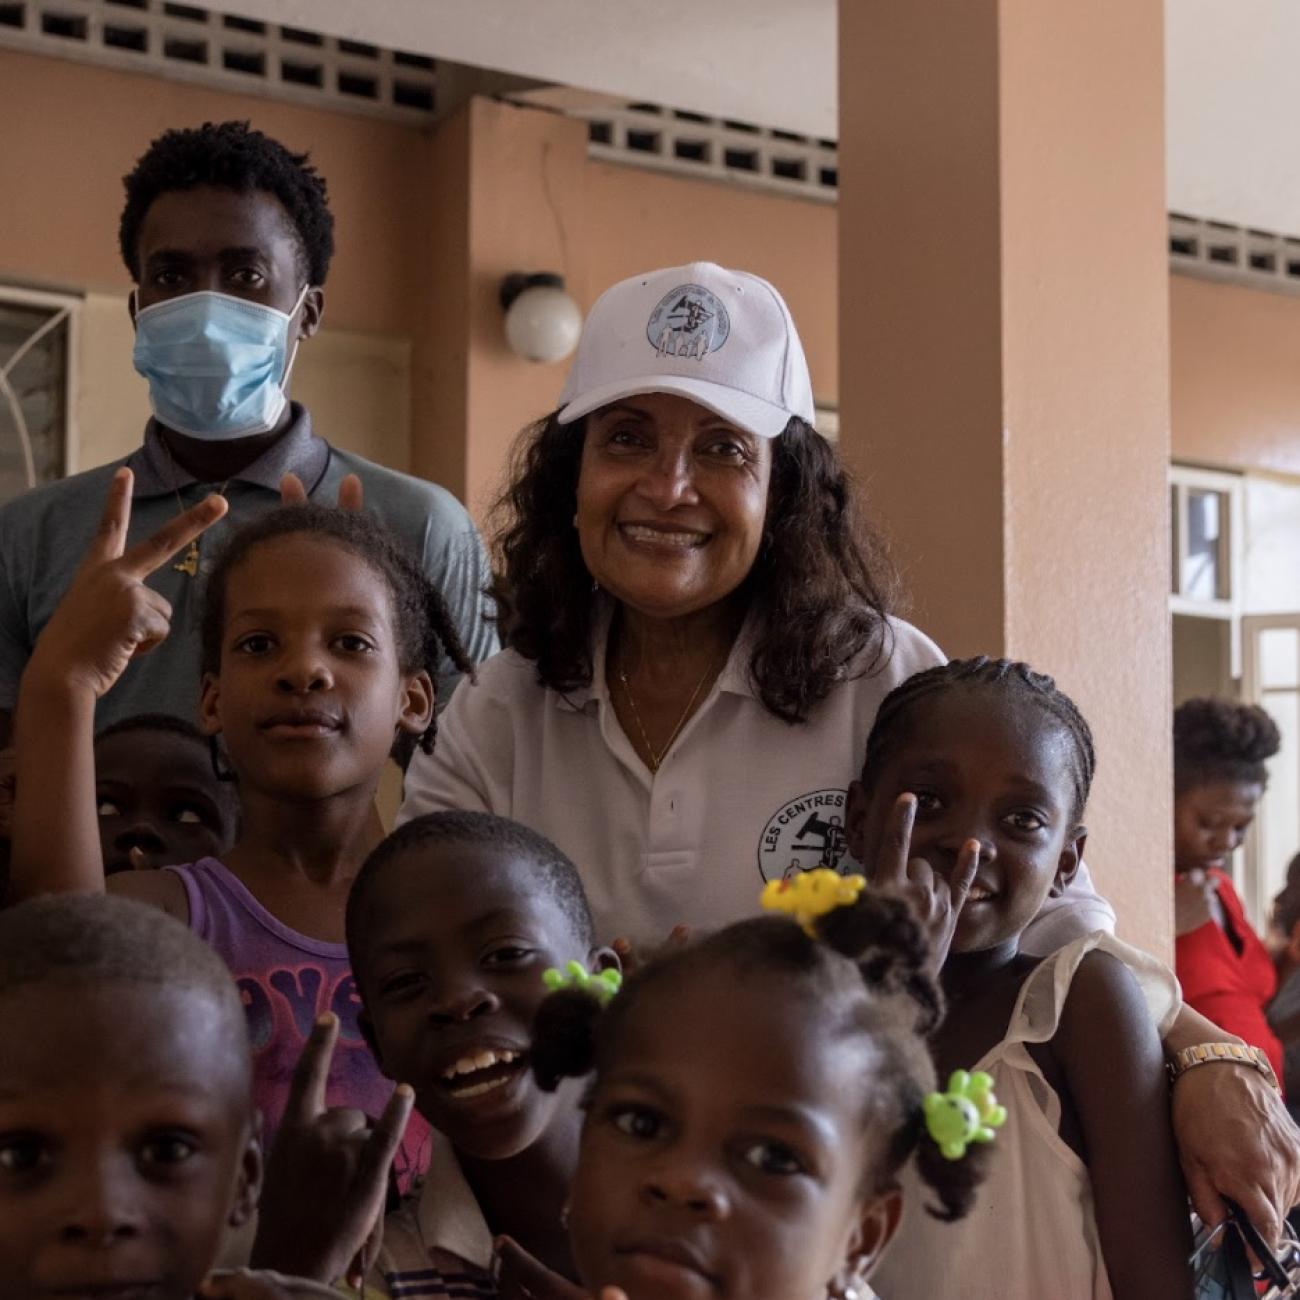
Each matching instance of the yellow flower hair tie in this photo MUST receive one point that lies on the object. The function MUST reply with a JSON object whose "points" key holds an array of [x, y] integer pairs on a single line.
{"points": [[811, 894]]}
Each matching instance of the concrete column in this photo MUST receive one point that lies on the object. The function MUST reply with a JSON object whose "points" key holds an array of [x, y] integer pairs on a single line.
{"points": [[1004, 362]]}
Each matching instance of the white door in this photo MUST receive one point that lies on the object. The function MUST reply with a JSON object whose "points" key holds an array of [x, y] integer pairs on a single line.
{"points": [[1271, 678]]}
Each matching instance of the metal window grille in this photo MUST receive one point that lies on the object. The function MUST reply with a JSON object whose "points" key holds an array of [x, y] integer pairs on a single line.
{"points": [[189, 43], [37, 344]]}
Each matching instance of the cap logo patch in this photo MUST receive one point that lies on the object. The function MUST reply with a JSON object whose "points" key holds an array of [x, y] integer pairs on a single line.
{"points": [[688, 322]]}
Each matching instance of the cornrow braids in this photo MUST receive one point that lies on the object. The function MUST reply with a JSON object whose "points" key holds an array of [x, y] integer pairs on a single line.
{"points": [[1005, 675], [868, 967], [424, 627]]}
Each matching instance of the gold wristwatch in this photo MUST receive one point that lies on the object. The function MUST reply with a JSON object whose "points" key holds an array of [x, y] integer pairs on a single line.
{"points": [[1233, 1053]]}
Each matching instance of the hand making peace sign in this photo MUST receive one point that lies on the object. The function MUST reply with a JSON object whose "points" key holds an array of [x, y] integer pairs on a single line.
{"points": [[109, 616], [936, 899], [322, 1203]]}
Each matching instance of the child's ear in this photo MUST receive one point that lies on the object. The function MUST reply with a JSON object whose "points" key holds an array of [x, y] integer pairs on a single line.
{"points": [[248, 1184], [855, 821], [1070, 861], [874, 1230], [419, 698], [210, 706]]}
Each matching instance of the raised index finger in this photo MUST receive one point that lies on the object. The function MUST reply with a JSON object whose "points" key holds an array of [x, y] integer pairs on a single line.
{"points": [[307, 1088], [152, 553]]}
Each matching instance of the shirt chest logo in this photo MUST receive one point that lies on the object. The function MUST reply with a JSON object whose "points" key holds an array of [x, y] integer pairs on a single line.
{"points": [[804, 834]]}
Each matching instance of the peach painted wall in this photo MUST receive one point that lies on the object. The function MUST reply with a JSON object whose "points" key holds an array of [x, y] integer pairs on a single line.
{"points": [[1236, 375], [538, 203], [1005, 363]]}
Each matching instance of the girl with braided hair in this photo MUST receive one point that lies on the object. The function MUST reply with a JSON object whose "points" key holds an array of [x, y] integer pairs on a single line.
{"points": [[1220, 748], [321, 638], [755, 1097], [994, 765]]}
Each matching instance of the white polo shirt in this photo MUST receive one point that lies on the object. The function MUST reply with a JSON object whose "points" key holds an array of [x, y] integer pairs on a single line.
{"points": [[740, 798]]}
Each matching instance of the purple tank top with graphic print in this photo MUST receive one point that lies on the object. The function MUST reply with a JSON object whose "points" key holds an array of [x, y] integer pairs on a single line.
{"points": [[287, 980]]}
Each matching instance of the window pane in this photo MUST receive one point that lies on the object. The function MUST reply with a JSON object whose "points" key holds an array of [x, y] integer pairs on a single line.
{"points": [[1202, 579], [1279, 659], [33, 395]]}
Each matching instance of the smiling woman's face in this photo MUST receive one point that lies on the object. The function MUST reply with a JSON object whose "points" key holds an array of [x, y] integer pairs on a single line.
{"points": [[671, 503]]}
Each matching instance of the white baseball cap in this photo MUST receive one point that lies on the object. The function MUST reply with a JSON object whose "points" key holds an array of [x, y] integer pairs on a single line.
{"points": [[722, 338]]}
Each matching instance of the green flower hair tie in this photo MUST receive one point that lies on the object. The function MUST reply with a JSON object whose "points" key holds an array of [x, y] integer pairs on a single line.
{"points": [[968, 1112], [602, 986]]}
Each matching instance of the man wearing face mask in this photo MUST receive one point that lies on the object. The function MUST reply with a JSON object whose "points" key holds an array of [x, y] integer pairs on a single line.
{"points": [[228, 238]]}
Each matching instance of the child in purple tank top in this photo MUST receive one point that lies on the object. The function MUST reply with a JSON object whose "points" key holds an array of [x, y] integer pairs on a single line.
{"points": [[320, 640]]}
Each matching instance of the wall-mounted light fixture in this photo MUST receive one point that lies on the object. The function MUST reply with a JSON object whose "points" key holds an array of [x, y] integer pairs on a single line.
{"points": [[542, 322]]}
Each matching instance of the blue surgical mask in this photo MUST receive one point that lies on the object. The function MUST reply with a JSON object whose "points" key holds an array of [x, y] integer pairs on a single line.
{"points": [[216, 364]]}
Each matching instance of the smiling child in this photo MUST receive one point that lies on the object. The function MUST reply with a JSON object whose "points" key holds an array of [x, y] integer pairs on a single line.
{"points": [[127, 1137], [1084, 1199]]}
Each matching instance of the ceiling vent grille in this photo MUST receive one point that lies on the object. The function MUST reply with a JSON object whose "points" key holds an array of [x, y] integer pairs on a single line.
{"points": [[188, 43], [1219, 251], [691, 144]]}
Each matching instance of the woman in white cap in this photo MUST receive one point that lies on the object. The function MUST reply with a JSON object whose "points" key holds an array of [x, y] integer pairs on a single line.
{"points": [[697, 615], [699, 638]]}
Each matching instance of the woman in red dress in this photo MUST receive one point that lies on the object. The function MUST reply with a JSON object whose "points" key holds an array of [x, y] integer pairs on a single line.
{"points": [[1226, 972]]}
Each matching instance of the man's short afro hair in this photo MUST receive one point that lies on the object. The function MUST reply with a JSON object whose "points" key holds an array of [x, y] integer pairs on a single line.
{"points": [[232, 156]]}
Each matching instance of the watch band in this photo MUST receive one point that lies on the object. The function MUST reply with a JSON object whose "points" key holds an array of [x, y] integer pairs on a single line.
{"points": [[1233, 1053]]}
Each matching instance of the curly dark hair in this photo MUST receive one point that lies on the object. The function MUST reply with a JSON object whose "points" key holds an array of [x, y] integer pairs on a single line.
{"points": [[868, 970], [425, 630], [231, 156], [1018, 681], [1221, 740], [556, 875], [821, 583]]}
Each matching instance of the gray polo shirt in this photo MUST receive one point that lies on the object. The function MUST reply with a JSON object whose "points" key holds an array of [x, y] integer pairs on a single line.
{"points": [[44, 533]]}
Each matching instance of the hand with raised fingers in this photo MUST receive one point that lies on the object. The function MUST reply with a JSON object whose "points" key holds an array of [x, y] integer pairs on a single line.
{"points": [[322, 1205], [351, 495], [108, 615], [628, 956], [521, 1276], [937, 899]]}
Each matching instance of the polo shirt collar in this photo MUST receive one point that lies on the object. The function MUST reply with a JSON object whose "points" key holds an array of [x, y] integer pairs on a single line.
{"points": [[297, 451], [734, 678], [448, 1215]]}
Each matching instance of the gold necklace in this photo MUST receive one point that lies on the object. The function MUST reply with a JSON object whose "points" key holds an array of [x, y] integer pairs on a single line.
{"points": [[657, 758], [189, 566]]}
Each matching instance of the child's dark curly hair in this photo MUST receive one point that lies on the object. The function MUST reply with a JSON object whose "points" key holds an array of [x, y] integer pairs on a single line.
{"points": [[424, 628], [869, 971], [1221, 740], [1017, 680], [230, 156]]}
